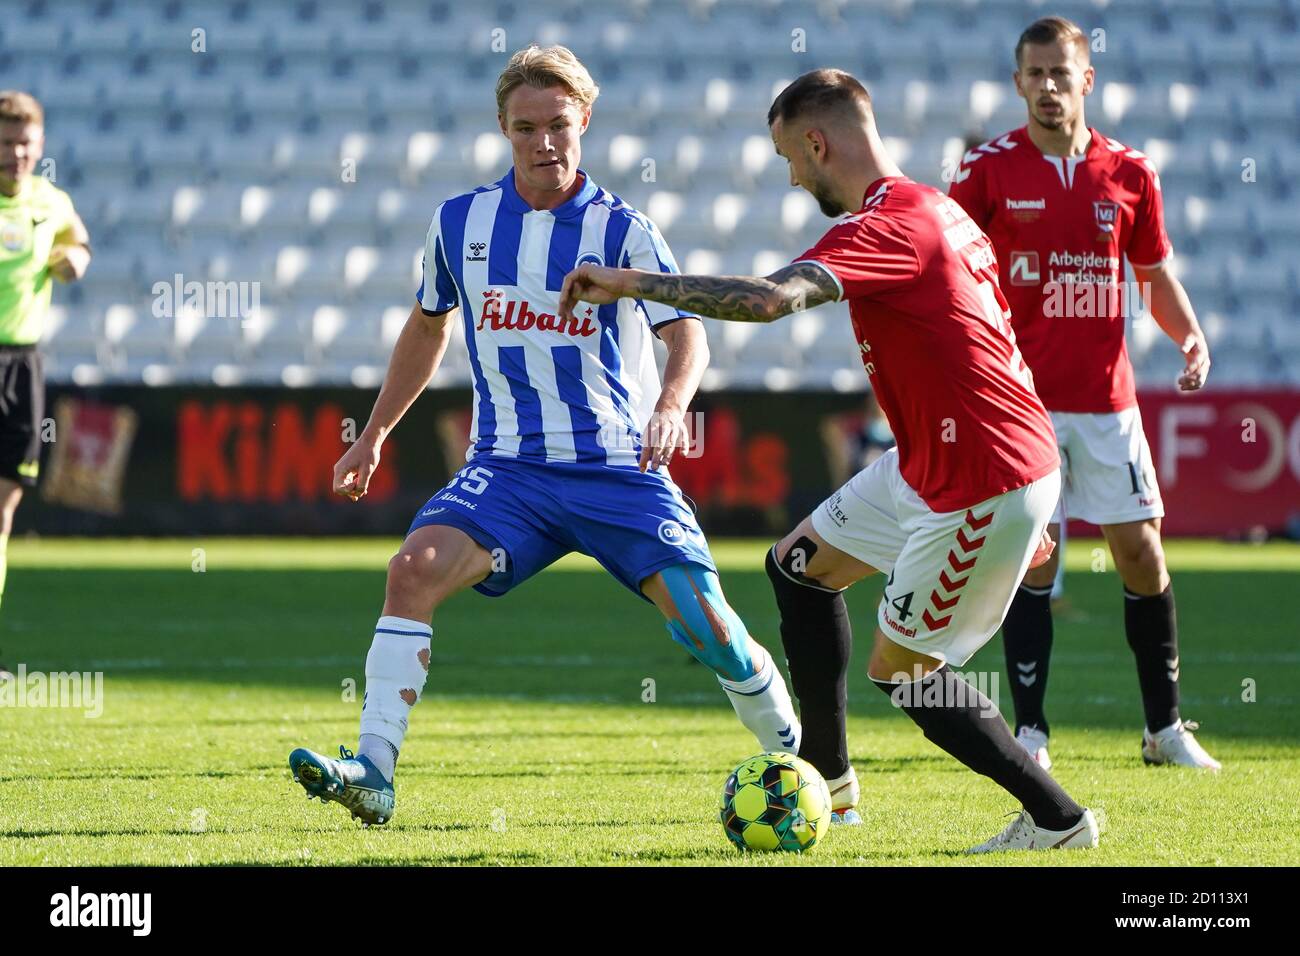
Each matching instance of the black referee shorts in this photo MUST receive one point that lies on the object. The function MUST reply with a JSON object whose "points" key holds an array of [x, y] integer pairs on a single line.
{"points": [[22, 407]]}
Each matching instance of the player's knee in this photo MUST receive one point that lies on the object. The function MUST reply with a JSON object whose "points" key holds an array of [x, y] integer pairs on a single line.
{"points": [[1140, 559], [788, 562], [1143, 566], [794, 552], [414, 573], [705, 624]]}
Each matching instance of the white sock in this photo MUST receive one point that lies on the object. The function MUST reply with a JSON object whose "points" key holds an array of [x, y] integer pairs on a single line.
{"points": [[396, 668], [763, 704], [845, 791]]}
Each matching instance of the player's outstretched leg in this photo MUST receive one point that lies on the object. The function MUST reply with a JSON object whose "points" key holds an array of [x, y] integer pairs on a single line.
{"points": [[1151, 625], [818, 642], [700, 619], [959, 719], [434, 562]]}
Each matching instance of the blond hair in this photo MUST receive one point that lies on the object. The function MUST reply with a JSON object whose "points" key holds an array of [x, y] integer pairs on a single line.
{"points": [[542, 67], [19, 107]]}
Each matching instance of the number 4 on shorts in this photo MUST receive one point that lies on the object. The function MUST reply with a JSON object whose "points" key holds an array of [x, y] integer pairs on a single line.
{"points": [[902, 604]]}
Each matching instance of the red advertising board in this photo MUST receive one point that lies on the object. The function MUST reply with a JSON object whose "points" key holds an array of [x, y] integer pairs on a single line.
{"points": [[1227, 460], [136, 460]]}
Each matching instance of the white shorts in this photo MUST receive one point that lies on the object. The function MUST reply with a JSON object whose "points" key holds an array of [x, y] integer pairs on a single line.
{"points": [[952, 574], [1106, 471]]}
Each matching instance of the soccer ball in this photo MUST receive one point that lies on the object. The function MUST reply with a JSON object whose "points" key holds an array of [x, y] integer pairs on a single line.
{"points": [[775, 801]]}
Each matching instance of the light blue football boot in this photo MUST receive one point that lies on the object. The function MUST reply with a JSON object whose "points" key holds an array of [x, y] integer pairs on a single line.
{"points": [[352, 781]]}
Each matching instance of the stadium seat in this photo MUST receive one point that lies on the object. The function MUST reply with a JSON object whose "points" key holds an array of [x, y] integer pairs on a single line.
{"points": [[1217, 226], [1227, 59], [210, 211], [1281, 55], [142, 340], [275, 336], [235, 168], [1162, 58], [216, 340], [73, 334], [1279, 226], [1210, 111], [1259, 285]]}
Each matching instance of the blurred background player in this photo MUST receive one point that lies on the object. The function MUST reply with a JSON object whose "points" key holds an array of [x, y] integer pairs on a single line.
{"points": [[41, 238], [854, 440], [956, 513], [571, 434], [1065, 206]]}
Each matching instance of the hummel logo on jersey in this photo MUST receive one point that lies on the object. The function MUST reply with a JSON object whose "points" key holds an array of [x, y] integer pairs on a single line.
{"points": [[1024, 268], [476, 249], [1026, 203], [518, 316]]}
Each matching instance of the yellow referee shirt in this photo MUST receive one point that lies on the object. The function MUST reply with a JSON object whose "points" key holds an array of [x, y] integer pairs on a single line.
{"points": [[29, 222]]}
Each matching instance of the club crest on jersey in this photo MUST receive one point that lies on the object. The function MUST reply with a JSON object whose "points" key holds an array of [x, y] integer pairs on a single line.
{"points": [[476, 250], [515, 314], [592, 257], [12, 236], [670, 532], [1107, 214]]}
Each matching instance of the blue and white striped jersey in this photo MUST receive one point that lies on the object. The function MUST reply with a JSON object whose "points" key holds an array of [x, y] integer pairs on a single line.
{"points": [[547, 389]]}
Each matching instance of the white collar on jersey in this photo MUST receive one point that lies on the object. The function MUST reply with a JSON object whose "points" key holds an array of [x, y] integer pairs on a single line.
{"points": [[1066, 165], [567, 210]]}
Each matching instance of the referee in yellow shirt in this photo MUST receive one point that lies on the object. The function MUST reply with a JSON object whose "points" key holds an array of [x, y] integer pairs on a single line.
{"points": [[41, 237]]}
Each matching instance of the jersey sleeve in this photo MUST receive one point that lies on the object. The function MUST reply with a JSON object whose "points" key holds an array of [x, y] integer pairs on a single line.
{"points": [[865, 256], [66, 212], [437, 292], [646, 249], [969, 189], [1149, 244]]}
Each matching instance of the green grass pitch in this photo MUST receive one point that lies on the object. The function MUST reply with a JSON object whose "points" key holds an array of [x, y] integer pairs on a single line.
{"points": [[535, 743]]}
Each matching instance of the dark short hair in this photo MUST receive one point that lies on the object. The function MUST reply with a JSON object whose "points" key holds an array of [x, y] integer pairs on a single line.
{"points": [[1053, 30], [817, 92]]}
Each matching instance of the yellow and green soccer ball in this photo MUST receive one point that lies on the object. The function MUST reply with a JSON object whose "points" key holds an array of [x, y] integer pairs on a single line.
{"points": [[775, 801]]}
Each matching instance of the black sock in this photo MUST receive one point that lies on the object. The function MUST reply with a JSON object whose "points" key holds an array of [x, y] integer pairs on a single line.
{"points": [[959, 719], [1027, 640], [817, 640], [1151, 625]]}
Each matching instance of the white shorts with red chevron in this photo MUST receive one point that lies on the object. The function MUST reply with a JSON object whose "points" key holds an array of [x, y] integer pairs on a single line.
{"points": [[951, 574]]}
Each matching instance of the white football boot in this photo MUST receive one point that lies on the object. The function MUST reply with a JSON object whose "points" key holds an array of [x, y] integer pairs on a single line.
{"points": [[1024, 834], [1176, 745], [1035, 743], [845, 794]]}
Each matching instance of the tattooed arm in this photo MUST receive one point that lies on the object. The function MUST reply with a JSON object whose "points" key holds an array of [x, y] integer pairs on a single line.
{"points": [[795, 288]]}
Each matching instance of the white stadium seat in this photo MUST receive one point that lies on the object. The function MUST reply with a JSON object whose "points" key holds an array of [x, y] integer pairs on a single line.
{"points": [[233, 167]]}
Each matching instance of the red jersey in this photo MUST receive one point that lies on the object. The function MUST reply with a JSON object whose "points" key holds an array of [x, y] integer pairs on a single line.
{"points": [[1057, 223], [933, 330]]}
